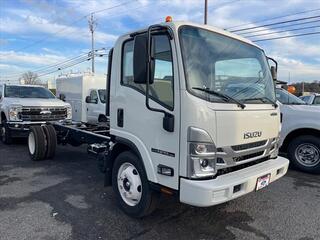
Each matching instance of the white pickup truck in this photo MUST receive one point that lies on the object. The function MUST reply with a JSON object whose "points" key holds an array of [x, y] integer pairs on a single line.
{"points": [[300, 133], [22, 106]]}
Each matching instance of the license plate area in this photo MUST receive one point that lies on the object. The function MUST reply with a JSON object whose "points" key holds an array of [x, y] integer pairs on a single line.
{"points": [[263, 181]]}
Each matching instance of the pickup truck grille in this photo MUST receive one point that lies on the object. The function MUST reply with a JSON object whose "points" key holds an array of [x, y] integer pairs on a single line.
{"points": [[43, 113]]}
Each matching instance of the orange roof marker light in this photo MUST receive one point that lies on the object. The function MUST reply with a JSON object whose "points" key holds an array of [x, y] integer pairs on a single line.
{"points": [[291, 89], [168, 19]]}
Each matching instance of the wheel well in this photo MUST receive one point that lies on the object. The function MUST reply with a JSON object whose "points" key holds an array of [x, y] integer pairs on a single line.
{"points": [[116, 150], [299, 132]]}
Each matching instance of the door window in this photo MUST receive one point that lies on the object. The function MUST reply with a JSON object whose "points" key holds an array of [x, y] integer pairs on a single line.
{"points": [[94, 96], [316, 100], [161, 90]]}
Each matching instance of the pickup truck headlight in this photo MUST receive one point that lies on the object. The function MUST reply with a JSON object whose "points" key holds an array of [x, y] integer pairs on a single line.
{"points": [[69, 113], [14, 113], [202, 154]]}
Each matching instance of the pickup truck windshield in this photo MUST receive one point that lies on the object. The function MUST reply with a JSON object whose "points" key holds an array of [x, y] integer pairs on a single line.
{"points": [[102, 95], [27, 92], [222, 64], [287, 98]]}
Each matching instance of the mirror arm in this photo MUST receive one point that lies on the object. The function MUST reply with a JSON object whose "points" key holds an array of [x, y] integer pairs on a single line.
{"points": [[167, 116], [275, 62]]}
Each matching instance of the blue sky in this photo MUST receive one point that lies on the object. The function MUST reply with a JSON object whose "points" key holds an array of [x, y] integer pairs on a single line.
{"points": [[38, 33]]}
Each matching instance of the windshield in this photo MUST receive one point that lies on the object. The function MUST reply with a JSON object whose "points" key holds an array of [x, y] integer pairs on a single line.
{"points": [[287, 98], [27, 92], [102, 95], [226, 65]]}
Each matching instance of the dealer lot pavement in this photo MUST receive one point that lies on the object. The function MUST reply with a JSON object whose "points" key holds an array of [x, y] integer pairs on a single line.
{"points": [[64, 198]]}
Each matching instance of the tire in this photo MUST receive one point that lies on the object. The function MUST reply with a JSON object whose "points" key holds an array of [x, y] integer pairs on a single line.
{"points": [[103, 119], [37, 143], [5, 133], [304, 153], [128, 168], [51, 137]]}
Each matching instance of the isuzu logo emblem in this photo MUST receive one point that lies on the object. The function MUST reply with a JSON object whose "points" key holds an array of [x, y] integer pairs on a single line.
{"points": [[45, 112], [252, 134]]}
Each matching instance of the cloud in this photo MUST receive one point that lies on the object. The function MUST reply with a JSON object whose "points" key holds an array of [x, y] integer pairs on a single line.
{"points": [[32, 24]]}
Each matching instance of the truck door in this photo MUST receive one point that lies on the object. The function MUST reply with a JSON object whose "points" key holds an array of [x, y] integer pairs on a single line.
{"points": [[92, 107], [131, 119]]}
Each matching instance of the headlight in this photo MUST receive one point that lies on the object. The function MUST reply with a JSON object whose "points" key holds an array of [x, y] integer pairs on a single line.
{"points": [[14, 113], [69, 113], [202, 154]]}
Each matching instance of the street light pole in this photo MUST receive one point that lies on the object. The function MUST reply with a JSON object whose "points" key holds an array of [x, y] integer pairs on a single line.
{"points": [[205, 11]]}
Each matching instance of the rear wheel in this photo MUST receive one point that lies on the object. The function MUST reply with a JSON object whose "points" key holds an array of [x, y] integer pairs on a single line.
{"points": [[304, 153], [130, 183], [51, 137], [37, 143], [5, 133]]}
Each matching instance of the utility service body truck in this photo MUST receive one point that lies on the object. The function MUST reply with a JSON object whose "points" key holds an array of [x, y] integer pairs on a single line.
{"points": [[178, 122], [86, 93]]}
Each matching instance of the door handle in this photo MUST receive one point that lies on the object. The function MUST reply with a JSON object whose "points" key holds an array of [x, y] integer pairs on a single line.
{"points": [[120, 117]]}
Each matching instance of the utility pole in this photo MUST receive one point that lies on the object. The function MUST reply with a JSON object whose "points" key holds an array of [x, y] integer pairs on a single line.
{"points": [[92, 27], [205, 11]]}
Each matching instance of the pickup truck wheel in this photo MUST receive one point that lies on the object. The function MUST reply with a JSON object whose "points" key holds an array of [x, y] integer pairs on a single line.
{"points": [[304, 153], [5, 133], [51, 137], [130, 183], [37, 143]]}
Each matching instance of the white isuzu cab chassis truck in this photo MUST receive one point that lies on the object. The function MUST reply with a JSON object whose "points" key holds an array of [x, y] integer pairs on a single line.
{"points": [[192, 114]]}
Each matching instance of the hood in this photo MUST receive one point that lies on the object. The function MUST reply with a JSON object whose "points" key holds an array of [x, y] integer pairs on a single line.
{"points": [[302, 109], [37, 102]]}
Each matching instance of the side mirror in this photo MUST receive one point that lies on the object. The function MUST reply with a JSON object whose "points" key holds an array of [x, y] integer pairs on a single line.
{"points": [[141, 58], [273, 73], [62, 97], [168, 122], [88, 99]]}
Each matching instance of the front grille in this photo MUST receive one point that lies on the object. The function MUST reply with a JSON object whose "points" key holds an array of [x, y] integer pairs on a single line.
{"points": [[43, 114], [242, 166], [249, 156], [248, 145]]}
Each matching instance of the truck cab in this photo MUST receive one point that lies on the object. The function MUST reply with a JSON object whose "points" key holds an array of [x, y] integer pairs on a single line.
{"points": [[174, 100]]}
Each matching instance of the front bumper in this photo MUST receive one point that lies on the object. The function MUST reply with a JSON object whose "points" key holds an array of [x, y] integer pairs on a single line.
{"points": [[21, 129], [204, 193]]}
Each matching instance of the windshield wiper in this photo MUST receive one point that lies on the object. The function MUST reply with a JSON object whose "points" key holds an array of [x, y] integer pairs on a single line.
{"points": [[221, 95], [264, 99]]}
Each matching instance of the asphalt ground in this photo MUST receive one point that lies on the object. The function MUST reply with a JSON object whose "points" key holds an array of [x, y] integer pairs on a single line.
{"points": [[64, 198]]}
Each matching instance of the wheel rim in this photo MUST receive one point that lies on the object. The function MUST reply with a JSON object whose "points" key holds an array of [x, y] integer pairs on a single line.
{"points": [[31, 143], [129, 184], [308, 154]]}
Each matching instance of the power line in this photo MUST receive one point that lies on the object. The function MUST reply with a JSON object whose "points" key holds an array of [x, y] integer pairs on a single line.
{"points": [[287, 30], [277, 27], [269, 19], [291, 36], [277, 23]]}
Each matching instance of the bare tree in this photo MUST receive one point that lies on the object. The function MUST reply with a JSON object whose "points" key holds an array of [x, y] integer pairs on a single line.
{"points": [[30, 78]]}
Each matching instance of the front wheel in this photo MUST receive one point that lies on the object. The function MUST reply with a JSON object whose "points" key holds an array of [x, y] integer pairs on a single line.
{"points": [[5, 133], [130, 183], [304, 153]]}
